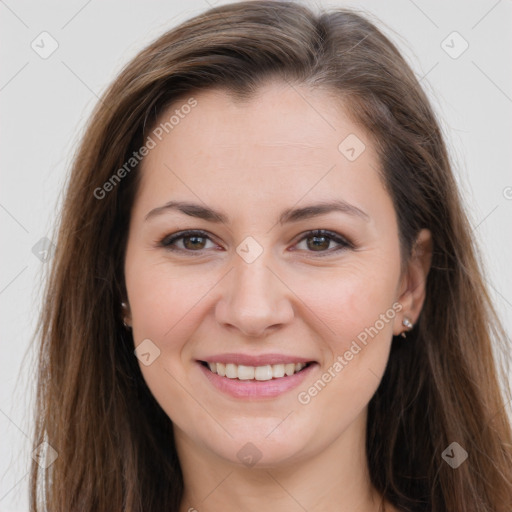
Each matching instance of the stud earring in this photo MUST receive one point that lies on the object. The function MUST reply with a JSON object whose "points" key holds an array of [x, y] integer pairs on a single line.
{"points": [[406, 323], [125, 307]]}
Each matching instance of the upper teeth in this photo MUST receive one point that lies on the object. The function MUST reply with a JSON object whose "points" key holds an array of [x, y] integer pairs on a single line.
{"points": [[267, 372]]}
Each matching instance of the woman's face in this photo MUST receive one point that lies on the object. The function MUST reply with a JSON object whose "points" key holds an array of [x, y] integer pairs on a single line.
{"points": [[252, 288]]}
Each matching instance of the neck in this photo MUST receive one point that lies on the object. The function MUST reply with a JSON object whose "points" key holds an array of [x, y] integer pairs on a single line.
{"points": [[335, 479]]}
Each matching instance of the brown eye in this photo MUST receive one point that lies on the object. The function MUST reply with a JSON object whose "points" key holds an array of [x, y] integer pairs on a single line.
{"points": [[192, 241], [320, 241]]}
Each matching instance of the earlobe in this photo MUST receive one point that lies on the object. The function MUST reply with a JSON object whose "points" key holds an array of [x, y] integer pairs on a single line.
{"points": [[126, 315], [413, 286]]}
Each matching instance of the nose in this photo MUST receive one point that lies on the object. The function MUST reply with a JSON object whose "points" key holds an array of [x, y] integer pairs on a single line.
{"points": [[254, 299]]}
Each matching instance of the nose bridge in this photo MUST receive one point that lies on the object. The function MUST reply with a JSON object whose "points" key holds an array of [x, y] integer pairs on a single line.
{"points": [[252, 283], [254, 299]]}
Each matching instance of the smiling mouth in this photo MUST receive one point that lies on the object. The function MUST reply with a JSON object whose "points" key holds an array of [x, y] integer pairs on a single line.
{"points": [[258, 373]]}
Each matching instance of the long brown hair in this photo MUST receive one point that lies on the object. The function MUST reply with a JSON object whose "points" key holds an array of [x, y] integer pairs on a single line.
{"points": [[114, 442]]}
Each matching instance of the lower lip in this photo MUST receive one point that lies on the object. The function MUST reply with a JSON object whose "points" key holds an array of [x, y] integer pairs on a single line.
{"points": [[255, 388]]}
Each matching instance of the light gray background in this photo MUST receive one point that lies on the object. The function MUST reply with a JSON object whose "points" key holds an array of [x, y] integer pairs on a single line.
{"points": [[45, 103]]}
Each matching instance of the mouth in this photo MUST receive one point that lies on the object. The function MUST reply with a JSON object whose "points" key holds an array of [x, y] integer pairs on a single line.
{"points": [[255, 382], [257, 373]]}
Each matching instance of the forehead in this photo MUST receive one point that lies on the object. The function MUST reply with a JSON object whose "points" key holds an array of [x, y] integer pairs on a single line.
{"points": [[284, 141], [277, 115]]}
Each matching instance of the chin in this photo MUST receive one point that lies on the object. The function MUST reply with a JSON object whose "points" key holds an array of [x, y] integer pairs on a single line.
{"points": [[263, 448]]}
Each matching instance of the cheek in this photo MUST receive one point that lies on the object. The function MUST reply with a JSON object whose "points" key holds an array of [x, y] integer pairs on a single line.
{"points": [[164, 298], [166, 304], [358, 304], [350, 300]]}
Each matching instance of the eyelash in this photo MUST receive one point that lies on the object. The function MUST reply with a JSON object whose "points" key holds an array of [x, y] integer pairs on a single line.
{"points": [[168, 240]]}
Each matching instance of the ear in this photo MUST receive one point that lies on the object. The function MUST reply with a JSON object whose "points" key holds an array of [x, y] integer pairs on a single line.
{"points": [[412, 286], [126, 312]]}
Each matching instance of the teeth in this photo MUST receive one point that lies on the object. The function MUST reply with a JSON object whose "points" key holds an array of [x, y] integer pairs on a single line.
{"points": [[263, 372], [267, 372], [231, 371], [277, 370], [246, 372], [289, 369], [221, 369]]}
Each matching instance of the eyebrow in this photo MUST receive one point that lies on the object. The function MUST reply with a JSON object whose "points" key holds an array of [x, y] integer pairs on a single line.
{"points": [[287, 216]]}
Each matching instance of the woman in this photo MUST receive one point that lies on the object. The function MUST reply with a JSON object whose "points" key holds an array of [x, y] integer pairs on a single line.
{"points": [[265, 294]]}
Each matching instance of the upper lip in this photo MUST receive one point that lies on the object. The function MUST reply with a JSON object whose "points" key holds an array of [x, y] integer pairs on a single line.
{"points": [[255, 360]]}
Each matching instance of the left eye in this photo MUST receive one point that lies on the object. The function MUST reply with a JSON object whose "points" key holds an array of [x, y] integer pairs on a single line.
{"points": [[321, 239], [316, 241]]}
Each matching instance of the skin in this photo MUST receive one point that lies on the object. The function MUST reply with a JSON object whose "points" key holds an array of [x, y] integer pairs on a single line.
{"points": [[251, 161]]}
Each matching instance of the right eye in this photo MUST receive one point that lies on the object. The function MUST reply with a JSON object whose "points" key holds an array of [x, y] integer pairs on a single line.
{"points": [[192, 241]]}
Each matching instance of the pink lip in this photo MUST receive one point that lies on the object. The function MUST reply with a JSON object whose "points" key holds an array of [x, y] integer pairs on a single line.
{"points": [[260, 360], [253, 388]]}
